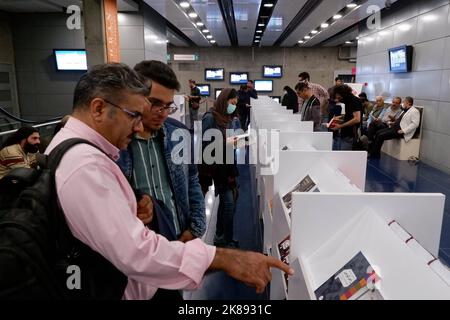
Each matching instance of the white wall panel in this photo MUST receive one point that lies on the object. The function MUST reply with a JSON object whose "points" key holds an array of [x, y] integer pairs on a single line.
{"points": [[402, 84], [429, 55], [405, 33], [427, 148], [425, 85], [446, 63], [433, 25], [443, 125], [445, 86], [431, 110]]}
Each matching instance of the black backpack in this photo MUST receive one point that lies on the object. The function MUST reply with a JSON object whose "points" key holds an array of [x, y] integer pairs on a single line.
{"points": [[36, 246]]}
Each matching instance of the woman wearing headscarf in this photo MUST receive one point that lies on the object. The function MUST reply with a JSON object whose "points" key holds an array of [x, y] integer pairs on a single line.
{"points": [[221, 167], [290, 99]]}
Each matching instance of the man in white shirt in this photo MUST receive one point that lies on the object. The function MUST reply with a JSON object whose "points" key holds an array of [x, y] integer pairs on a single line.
{"points": [[403, 127]]}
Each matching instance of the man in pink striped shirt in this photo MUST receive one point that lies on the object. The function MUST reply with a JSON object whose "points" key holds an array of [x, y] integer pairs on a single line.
{"points": [[100, 207]]}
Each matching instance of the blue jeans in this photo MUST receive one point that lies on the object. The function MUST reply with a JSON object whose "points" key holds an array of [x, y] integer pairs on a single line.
{"points": [[225, 216], [343, 143]]}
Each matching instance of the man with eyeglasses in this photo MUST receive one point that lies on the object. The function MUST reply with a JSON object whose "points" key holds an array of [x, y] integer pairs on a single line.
{"points": [[148, 161], [121, 258]]}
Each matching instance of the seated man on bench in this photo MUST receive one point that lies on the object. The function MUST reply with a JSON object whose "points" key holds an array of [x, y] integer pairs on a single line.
{"points": [[404, 127]]}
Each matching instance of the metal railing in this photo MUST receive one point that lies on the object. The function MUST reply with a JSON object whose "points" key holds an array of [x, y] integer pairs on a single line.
{"points": [[46, 127]]}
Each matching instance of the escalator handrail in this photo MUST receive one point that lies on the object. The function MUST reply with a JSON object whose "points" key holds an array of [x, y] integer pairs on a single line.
{"points": [[4, 133], [6, 113]]}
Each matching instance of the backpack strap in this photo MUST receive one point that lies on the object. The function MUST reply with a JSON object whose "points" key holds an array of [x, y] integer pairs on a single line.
{"points": [[54, 158]]}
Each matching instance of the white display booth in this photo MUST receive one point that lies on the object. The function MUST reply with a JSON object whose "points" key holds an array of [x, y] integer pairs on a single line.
{"points": [[329, 229], [180, 114], [288, 125], [332, 171], [276, 117]]}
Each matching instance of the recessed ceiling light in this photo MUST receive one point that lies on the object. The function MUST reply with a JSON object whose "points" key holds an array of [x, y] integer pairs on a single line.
{"points": [[256, 40], [200, 24], [260, 24], [257, 36], [348, 42], [167, 41], [352, 5], [184, 4], [357, 38], [209, 37], [258, 31], [213, 41], [324, 25], [193, 15], [307, 37], [338, 16], [314, 31], [301, 41], [268, 5], [205, 30]]}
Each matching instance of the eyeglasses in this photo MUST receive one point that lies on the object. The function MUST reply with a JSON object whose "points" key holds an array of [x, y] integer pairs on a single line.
{"points": [[135, 115], [160, 107]]}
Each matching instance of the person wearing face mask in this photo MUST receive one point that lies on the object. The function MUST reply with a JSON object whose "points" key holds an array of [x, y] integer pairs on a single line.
{"points": [[222, 170], [19, 150]]}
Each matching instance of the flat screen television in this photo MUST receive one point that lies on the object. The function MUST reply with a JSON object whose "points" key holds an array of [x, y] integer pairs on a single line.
{"points": [[276, 98], [70, 60], [214, 74], [272, 71], [217, 92], [205, 89], [400, 59], [238, 77], [264, 85]]}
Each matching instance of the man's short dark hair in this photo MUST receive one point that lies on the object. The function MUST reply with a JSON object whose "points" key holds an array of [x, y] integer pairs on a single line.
{"points": [[343, 90], [410, 100], [397, 98], [107, 81], [338, 79], [301, 86], [304, 76], [251, 81], [192, 81], [159, 72]]}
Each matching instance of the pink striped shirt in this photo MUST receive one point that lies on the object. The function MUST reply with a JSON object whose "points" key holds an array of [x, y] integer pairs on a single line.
{"points": [[100, 209]]}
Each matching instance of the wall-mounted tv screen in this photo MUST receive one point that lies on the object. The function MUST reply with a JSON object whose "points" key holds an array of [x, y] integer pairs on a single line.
{"points": [[238, 77], [276, 98], [214, 74], [264, 85], [400, 59], [272, 71], [217, 92], [205, 89], [70, 60]]}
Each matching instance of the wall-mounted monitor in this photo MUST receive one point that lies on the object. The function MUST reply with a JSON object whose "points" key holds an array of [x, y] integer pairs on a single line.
{"points": [[264, 85], [272, 71], [217, 92], [276, 98], [214, 74], [238, 77], [70, 60], [205, 89], [400, 59]]}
